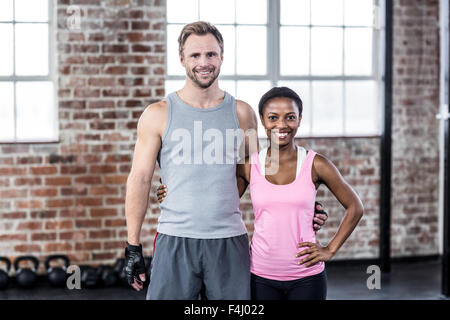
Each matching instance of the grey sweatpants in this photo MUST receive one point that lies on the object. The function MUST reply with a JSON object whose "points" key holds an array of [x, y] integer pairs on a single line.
{"points": [[181, 265]]}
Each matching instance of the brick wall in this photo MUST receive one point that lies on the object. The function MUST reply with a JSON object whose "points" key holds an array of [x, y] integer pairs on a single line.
{"points": [[69, 196], [415, 149]]}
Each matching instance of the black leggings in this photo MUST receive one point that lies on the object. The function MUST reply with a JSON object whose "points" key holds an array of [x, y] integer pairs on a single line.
{"points": [[308, 288]]}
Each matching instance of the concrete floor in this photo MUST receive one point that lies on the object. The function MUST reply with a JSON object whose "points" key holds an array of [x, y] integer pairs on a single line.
{"points": [[407, 281]]}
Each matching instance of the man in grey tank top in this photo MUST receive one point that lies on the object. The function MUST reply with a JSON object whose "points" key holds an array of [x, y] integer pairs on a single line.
{"points": [[195, 134]]}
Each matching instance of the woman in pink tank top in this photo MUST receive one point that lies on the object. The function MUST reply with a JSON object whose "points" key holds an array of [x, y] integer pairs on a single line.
{"points": [[286, 260]]}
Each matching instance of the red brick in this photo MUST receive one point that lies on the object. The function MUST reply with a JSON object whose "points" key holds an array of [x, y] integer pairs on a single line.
{"points": [[101, 234], [115, 223], [13, 171], [88, 202], [13, 237], [88, 180], [43, 236], [58, 181], [102, 169], [59, 203], [58, 225], [72, 235], [45, 214], [44, 192], [88, 223], [27, 248], [103, 212], [88, 245], [58, 247], [28, 204]]}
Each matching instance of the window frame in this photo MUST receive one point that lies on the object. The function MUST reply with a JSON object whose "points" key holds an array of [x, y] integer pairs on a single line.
{"points": [[273, 72], [50, 77]]}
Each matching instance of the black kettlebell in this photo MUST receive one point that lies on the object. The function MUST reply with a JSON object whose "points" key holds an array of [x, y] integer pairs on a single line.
{"points": [[26, 277], [120, 272], [4, 274], [89, 277], [57, 276], [107, 275]]}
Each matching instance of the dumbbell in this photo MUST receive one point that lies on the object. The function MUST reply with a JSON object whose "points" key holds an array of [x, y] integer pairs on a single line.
{"points": [[107, 275], [26, 277], [89, 277], [4, 274], [57, 276]]}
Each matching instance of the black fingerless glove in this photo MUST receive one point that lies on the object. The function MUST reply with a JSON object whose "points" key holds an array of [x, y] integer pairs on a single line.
{"points": [[134, 263]]}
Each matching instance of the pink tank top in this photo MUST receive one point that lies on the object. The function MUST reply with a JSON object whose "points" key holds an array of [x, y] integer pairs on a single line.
{"points": [[283, 219]]}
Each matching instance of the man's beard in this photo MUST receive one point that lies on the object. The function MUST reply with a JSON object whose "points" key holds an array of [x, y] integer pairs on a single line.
{"points": [[201, 85]]}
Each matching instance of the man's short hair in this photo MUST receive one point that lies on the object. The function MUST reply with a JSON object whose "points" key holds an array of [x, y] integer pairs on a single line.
{"points": [[199, 28], [280, 92]]}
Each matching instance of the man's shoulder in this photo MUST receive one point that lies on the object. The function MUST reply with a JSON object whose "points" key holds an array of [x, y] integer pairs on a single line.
{"points": [[243, 108], [155, 109], [154, 116]]}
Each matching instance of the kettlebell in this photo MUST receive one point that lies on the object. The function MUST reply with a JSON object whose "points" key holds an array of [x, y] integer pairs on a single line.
{"points": [[57, 276], [119, 269], [89, 277], [107, 275], [26, 277], [4, 274]]}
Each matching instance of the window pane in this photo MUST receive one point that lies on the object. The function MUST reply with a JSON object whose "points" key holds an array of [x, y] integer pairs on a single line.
{"points": [[326, 51], [302, 88], [6, 10], [327, 108], [217, 11], [251, 92], [174, 66], [6, 111], [295, 12], [358, 12], [294, 50], [31, 38], [327, 12], [358, 51], [173, 85], [182, 11], [35, 110], [229, 86], [31, 10], [6, 51], [251, 53], [361, 100], [228, 34], [251, 11]]}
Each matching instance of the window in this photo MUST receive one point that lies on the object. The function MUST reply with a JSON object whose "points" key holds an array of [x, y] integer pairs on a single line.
{"points": [[326, 50], [27, 110]]}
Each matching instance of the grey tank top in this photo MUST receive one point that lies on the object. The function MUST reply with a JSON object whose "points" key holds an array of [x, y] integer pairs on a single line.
{"points": [[198, 158]]}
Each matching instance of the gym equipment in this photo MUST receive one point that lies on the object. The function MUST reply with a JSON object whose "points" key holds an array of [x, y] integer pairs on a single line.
{"points": [[120, 272], [89, 277], [26, 277], [4, 274], [57, 276], [107, 275], [148, 263]]}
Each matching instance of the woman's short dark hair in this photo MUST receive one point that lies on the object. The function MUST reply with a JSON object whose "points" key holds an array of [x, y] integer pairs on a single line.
{"points": [[280, 92]]}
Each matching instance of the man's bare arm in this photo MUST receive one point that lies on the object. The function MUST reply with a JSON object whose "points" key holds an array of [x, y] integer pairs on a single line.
{"points": [[150, 126], [249, 123]]}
